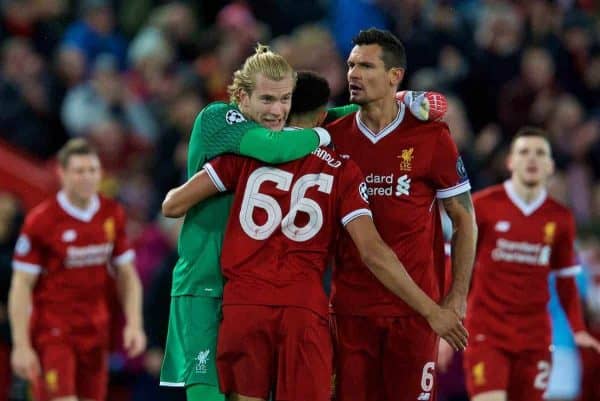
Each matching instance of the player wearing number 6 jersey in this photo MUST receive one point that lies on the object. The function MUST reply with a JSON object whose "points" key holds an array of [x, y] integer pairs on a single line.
{"points": [[384, 350], [279, 239]]}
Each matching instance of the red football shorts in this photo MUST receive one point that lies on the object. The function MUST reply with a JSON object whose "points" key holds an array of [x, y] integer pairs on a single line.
{"points": [[286, 348], [67, 371], [523, 375], [384, 358]]}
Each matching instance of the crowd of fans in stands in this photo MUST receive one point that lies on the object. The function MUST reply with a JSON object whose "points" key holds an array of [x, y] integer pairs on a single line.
{"points": [[132, 75]]}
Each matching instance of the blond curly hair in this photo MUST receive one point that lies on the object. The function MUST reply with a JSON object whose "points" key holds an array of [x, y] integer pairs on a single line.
{"points": [[272, 65]]}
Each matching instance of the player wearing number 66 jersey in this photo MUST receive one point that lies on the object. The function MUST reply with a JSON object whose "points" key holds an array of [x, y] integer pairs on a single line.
{"points": [[278, 241]]}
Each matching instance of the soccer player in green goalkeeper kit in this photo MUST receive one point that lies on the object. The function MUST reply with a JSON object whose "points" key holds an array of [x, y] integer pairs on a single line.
{"points": [[250, 125]]}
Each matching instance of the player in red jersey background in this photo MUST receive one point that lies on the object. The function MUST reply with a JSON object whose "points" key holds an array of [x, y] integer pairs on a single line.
{"points": [[284, 223], [523, 236], [385, 350], [60, 274]]}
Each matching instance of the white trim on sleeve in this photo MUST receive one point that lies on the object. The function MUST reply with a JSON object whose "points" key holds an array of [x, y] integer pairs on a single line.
{"points": [[354, 214], [568, 271], [324, 137], [453, 191], [26, 267], [214, 177], [126, 257]]}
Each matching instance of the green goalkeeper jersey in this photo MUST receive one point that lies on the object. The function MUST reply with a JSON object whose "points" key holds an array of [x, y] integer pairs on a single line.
{"points": [[221, 128]]}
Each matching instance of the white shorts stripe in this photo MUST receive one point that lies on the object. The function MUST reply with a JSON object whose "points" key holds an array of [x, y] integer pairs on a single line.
{"points": [[170, 384]]}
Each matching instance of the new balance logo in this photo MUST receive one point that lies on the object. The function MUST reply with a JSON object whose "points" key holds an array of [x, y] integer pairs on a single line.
{"points": [[403, 187], [424, 397]]}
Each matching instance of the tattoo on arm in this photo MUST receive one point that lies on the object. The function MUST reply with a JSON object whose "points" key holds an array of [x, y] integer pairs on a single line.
{"points": [[461, 200]]}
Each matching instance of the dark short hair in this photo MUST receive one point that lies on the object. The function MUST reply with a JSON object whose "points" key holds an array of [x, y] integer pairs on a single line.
{"points": [[75, 146], [528, 131], [311, 92], [393, 53]]}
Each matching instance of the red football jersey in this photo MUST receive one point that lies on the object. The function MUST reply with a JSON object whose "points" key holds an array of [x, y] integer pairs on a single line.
{"points": [[408, 165], [70, 249], [283, 224], [518, 245]]}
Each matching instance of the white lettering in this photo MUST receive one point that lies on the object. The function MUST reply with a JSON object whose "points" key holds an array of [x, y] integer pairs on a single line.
{"points": [[521, 252], [326, 157], [82, 256]]}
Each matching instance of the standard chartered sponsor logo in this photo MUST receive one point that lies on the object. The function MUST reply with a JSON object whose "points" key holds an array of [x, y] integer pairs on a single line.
{"points": [[403, 187], [82, 256], [535, 254], [388, 185]]}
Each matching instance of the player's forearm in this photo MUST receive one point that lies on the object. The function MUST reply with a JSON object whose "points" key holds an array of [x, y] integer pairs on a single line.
{"points": [[384, 264], [281, 146], [464, 242], [179, 200], [19, 311], [338, 112], [571, 302], [130, 294]]}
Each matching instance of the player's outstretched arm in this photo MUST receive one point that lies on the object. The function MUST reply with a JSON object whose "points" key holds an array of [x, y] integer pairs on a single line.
{"points": [[276, 147], [221, 128], [179, 200], [464, 242], [130, 293], [566, 287], [334, 113], [384, 264], [425, 106], [24, 360]]}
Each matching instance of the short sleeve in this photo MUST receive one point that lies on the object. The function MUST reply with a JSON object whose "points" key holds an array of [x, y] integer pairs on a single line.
{"points": [[448, 171], [224, 171], [122, 252], [353, 195], [563, 258], [29, 249]]}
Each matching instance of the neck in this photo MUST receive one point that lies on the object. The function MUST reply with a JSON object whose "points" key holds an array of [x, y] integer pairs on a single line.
{"points": [[78, 202], [379, 114], [302, 122], [527, 193]]}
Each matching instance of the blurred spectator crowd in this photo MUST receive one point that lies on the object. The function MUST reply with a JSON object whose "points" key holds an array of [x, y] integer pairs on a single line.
{"points": [[132, 75]]}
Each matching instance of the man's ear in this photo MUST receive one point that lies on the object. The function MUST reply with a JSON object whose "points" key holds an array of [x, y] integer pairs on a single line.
{"points": [[396, 76], [243, 98]]}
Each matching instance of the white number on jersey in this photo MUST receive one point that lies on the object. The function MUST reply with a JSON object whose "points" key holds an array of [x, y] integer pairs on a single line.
{"points": [[541, 379], [298, 203], [427, 378]]}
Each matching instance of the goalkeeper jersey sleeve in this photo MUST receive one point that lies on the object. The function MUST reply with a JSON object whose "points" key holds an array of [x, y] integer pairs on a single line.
{"points": [[339, 112], [222, 128]]}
